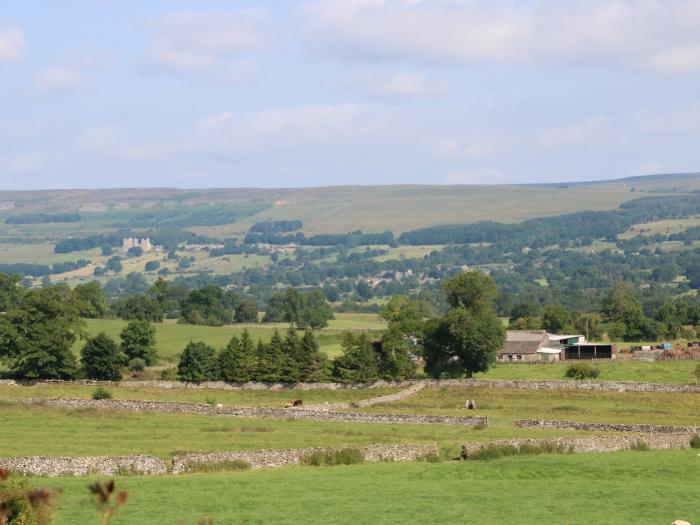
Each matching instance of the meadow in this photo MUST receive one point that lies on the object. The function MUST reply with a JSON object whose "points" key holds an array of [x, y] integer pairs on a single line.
{"points": [[40, 430], [679, 372], [624, 488], [171, 337]]}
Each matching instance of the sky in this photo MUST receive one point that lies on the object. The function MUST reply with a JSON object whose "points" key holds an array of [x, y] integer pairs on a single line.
{"points": [[286, 93]]}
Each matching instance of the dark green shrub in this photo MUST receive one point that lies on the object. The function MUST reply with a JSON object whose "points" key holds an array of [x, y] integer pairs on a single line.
{"points": [[345, 456], [695, 441], [198, 363], [582, 371], [101, 393], [137, 365], [102, 359]]}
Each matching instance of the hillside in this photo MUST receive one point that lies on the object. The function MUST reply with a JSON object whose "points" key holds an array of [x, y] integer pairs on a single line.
{"points": [[333, 209]]}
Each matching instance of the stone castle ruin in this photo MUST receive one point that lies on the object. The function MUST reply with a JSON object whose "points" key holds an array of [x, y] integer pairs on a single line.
{"points": [[135, 242]]}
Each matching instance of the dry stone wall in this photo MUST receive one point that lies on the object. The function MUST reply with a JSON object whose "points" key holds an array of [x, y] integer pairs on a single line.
{"points": [[82, 466], [605, 386], [144, 464], [589, 443], [390, 398], [289, 457], [606, 427], [257, 412]]}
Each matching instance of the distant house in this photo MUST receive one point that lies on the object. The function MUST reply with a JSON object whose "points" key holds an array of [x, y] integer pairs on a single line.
{"points": [[528, 346]]}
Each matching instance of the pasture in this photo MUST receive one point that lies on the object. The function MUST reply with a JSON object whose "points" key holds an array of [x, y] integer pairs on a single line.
{"points": [[624, 488], [171, 338], [679, 372]]}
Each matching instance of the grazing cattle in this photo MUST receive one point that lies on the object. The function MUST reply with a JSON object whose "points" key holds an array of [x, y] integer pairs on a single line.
{"points": [[294, 403], [219, 405], [470, 405]]}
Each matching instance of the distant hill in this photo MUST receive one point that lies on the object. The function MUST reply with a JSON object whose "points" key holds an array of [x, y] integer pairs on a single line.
{"points": [[338, 209]]}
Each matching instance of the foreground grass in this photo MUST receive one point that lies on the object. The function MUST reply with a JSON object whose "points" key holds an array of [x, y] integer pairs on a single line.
{"points": [[503, 405], [621, 488], [171, 338], [239, 398], [678, 372], [40, 430]]}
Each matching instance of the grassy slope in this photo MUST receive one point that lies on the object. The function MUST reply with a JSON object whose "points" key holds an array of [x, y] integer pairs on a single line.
{"points": [[172, 338], [84, 432], [657, 372], [635, 488], [503, 406]]}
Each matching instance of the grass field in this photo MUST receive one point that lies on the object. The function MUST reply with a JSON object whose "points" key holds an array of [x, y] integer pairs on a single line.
{"points": [[503, 406], [623, 488], [680, 372], [237, 398], [171, 338], [665, 227], [38, 430]]}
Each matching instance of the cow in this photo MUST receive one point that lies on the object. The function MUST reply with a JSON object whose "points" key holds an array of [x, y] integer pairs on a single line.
{"points": [[294, 403], [470, 405]]}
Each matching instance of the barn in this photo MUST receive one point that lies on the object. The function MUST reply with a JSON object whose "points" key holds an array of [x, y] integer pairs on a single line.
{"points": [[529, 346]]}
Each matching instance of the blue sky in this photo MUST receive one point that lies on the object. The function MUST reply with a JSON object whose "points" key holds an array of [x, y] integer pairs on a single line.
{"points": [[100, 93]]}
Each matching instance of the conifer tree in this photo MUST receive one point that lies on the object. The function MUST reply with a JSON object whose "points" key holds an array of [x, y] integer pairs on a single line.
{"points": [[314, 363], [238, 360], [291, 350], [359, 362], [198, 363], [270, 360]]}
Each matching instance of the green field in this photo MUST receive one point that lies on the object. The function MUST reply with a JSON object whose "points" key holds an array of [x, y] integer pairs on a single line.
{"points": [[234, 398], [503, 406], [623, 488], [171, 338], [38, 430], [679, 372]]}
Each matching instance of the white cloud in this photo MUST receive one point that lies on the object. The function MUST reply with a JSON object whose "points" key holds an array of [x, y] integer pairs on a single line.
{"points": [[658, 35], [397, 84], [464, 147], [21, 164], [210, 42], [11, 44], [58, 79], [69, 74]]}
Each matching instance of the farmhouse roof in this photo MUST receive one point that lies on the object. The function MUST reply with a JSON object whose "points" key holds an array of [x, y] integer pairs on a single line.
{"points": [[524, 341]]}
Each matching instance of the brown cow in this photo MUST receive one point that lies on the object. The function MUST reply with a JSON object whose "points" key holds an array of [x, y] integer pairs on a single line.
{"points": [[294, 403]]}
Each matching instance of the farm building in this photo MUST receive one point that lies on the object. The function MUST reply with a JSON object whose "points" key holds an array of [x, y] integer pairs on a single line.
{"points": [[566, 340], [529, 346], [590, 351]]}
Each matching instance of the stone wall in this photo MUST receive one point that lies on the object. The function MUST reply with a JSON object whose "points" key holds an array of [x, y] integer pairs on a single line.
{"points": [[606, 427], [390, 398], [605, 386], [143, 464], [82, 466], [257, 412], [590, 443], [289, 457]]}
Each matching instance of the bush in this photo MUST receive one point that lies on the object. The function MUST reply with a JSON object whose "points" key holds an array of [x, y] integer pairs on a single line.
{"points": [[14, 503], [217, 466], [345, 456], [582, 371], [526, 449], [101, 393], [137, 365], [102, 359], [639, 445], [695, 441]]}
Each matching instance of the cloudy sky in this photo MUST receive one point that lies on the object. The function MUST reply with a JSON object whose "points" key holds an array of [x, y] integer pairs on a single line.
{"points": [[105, 93]]}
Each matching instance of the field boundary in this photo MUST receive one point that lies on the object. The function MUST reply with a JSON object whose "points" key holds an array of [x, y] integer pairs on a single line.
{"points": [[587, 443], [256, 412], [560, 384], [144, 464], [606, 427], [362, 403]]}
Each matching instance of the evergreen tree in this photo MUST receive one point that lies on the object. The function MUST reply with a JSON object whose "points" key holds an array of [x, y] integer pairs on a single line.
{"points": [[270, 360], [198, 363], [314, 364], [102, 359], [139, 341], [238, 360], [359, 362], [291, 349]]}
